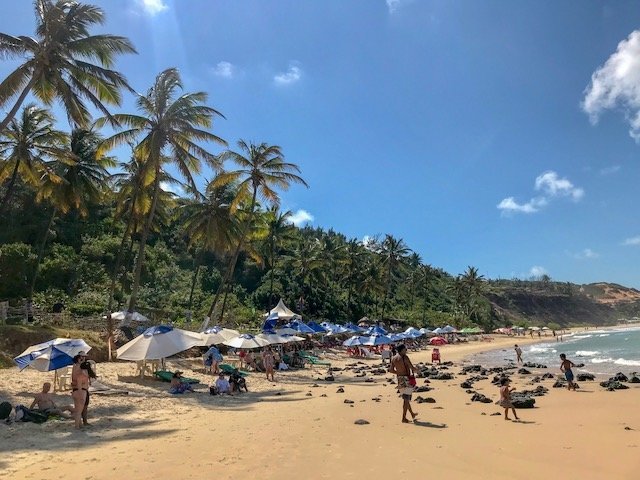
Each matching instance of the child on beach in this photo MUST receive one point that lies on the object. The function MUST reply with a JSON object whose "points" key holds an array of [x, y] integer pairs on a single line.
{"points": [[565, 367], [505, 398]]}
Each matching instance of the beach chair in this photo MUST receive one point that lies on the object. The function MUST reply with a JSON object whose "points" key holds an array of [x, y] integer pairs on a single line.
{"points": [[435, 356], [313, 360], [228, 369], [166, 376], [63, 378]]}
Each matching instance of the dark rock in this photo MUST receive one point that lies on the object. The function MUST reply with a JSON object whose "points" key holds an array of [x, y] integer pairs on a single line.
{"points": [[334, 369], [425, 400], [583, 377], [533, 365], [329, 378], [620, 377], [634, 379], [628, 428], [559, 383], [340, 390], [315, 385], [498, 378], [478, 397], [309, 394], [483, 413], [443, 376], [369, 380], [471, 369], [535, 380], [470, 391], [613, 384], [497, 414], [347, 401], [547, 375], [579, 365], [422, 389], [539, 391], [522, 400], [323, 395], [361, 422], [466, 384], [524, 371]]}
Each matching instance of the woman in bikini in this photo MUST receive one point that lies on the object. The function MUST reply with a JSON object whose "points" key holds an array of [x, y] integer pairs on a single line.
{"points": [[268, 361], [80, 390]]}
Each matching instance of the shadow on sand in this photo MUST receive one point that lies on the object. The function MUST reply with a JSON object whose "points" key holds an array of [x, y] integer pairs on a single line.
{"points": [[421, 423]]}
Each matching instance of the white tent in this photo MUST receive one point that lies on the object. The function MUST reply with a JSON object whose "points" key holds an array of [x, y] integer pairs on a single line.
{"points": [[283, 312], [159, 342]]}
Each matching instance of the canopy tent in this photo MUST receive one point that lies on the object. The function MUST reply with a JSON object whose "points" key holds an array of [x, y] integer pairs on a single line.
{"points": [[292, 338], [300, 327], [159, 342], [352, 341], [217, 335], [375, 330], [375, 339], [247, 340], [51, 355], [283, 312], [437, 341], [317, 328]]}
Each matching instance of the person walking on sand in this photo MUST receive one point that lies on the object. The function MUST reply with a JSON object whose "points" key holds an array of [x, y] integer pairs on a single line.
{"points": [[565, 367], [505, 398], [518, 354], [404, 370], [268, 362]]}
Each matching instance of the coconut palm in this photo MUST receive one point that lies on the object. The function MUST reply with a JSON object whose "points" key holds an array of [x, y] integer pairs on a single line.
{"points": [[393, 251], [170, 128], [262, 170], [26, 147], [306, 262], [280, 229], [58, 62], [84, 177]]}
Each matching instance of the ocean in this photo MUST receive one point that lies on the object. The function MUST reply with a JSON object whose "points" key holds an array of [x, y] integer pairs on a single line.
{"points": [[603, 352]]}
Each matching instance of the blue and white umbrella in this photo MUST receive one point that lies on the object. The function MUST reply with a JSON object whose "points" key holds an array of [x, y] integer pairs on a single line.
{"points": [[352, 342], [397, 337], [246, 340], [425, 331], [51, 355], [376, 339], [413, 332], [449, 329], [217, 335], [300, 327], [338, 330], [317, 328], [354, 328], [439, 331], [375, 330], [159, 342]]}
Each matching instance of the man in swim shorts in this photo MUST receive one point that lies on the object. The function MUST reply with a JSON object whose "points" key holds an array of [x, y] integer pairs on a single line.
{"points": [[404, 370], [565, 367]]}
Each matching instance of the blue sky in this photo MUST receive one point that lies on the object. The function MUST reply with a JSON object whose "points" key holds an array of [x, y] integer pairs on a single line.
{"points": [[502, 135]]}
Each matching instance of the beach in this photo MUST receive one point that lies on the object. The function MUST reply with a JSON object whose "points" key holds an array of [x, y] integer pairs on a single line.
{"points": [[294, 429]]}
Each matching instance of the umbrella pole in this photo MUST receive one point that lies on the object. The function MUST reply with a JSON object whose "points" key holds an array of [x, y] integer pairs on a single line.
{"points": [[55, 380]]}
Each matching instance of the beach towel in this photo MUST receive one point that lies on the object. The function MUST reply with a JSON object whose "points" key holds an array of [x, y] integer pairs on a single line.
{"points": [[167, 376]]}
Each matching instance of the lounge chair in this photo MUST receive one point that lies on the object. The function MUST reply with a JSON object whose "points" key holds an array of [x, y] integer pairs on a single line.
{"points": [[313, 360], [166, 376], [228, 369]]}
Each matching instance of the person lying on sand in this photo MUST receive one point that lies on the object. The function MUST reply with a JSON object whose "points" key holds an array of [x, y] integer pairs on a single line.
{"points": [[178, 386], [44, 402], [505, 398], [565, 367]]}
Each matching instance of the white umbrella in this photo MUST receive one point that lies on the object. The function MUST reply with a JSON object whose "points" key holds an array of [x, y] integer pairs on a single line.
{"points": [[246, 340], [135, 316], [51, 355], [159, 342], [546, 328], [272, 338], [286, 331], [535, 329], [217, 335], [424, 331], [292, 338]]}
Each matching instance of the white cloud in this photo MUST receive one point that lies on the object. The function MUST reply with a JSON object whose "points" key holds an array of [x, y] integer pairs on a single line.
{"points": [[610, 170], [632, 242], [538, 271], [224, 69], [554, 186], [616, 85], [586, 254], [393, 5], [290, 76], [153, 7], [551, 186], [300, 217], [174, 188]]}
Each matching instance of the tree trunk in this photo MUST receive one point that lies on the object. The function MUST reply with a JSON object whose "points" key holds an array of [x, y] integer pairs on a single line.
{"points": [[273, 266], [16, 106], [224, 303], [236, 254], [193, 282], [41, 254], [143, 241], [116, 268], [386, 290], [10, 185]]}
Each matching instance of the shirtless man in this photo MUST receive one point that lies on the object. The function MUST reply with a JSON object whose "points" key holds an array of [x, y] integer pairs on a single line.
{"points": [[403, 368], [518, 354], [565, 367], [44, 402]]}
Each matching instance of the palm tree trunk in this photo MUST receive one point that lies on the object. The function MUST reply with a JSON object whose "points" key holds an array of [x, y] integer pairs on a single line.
{"points": [[236, 254], [10, 185], [386, 291], [193, 282], [18, 104], [119, 257], [41, 254], [224, 302], [273, 266], [143, 241]]}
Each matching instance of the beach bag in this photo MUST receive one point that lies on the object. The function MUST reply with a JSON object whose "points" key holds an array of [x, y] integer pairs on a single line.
{"points": [[5, 410], [411, 378]]}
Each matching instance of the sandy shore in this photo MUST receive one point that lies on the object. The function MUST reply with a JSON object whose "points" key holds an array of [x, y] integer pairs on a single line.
{"points": [[278, 431]]}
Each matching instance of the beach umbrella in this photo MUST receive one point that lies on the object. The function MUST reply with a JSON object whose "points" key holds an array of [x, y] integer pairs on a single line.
{"points": [[159, 342], [439, 331], [51, 355], [272, 337], [316, 327], [338, 330], [535, 329], [414, 332], [300, 327], [354, 328], [246, 340], [352, 342], [328, 326], [449, 329], [397, 337], [292, 338], [270, 322], [437, 341], [217, 335], [375, 330], [546, 329], [376, 339], [284, 331], [425, 331], [122, 315]]}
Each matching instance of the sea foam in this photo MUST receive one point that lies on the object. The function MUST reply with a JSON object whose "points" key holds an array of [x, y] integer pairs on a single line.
{"points": [[587, 353]]}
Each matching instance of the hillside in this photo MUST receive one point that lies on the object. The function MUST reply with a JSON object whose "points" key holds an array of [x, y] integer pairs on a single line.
{"points": [[535, 303]]}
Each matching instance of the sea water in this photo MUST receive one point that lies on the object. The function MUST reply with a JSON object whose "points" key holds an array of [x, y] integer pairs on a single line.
{"points": [[601, 351]]}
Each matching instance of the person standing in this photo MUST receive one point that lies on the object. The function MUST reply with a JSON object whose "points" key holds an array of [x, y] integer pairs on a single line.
{"points": [[213, 358], [268, 361], [518, 354], [403, 368], [505, 398], [565, 367], [80, 381]]}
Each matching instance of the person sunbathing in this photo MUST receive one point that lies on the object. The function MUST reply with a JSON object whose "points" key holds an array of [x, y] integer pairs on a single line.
{"points": [[45, 403], [178, 385]]}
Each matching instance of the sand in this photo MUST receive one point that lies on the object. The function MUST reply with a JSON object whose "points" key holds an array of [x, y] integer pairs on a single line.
{"points": [[278, 432]]}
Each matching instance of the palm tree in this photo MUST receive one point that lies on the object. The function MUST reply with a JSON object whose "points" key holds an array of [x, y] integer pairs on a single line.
{"points": [[393, 251], [26, 147], [354, 254], [84, 176], [279, 230], [262, 170], [58, 62], [170, 127], [306, 262], [472, 285], [210, 223]]}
